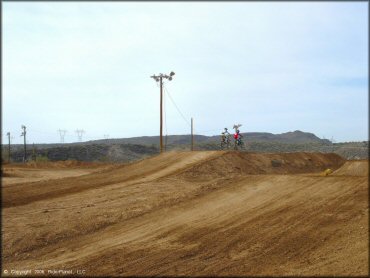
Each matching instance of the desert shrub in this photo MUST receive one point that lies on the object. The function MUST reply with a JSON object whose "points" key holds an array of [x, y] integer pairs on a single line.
{"points": [[42, 158], [276, 163]]}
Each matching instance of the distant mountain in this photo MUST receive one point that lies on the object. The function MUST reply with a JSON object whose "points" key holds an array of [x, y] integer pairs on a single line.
{"points": [[293, 137], [152, 140], [83, 152], [130, 149]]}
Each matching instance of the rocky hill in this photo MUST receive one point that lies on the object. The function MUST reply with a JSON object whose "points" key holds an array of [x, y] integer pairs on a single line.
{"points": [[130, 149], [288, 137]]}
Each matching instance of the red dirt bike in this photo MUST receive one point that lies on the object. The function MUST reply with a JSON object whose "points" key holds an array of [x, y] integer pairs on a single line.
{"points": [[238, 143]]}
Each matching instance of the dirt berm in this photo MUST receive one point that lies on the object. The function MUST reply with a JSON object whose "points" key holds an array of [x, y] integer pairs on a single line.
{"points": [[234, 163], [199, 164], [358, 168], [190, 214]]}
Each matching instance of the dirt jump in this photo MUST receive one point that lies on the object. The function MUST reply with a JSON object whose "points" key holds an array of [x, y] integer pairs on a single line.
{"points": [[209, 213]]}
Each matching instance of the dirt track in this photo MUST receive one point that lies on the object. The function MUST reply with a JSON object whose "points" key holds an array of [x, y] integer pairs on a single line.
{"points": [[193, 213]]}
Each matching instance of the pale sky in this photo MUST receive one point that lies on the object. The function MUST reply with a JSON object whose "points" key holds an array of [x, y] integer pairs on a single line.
{"points": [[272, 67]]}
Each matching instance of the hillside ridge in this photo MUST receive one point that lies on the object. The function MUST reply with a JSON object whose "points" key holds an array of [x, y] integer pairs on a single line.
{"points": [[135, 148]]}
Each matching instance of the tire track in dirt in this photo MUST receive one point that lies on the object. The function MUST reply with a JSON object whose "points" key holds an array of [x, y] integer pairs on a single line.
{"points": [[192, 226], [141, 171], [354, 168], [216, 220]]}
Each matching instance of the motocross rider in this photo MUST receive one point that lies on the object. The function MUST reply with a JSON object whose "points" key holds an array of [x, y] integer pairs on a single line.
{"points": [[225, 134], [238, 135]]}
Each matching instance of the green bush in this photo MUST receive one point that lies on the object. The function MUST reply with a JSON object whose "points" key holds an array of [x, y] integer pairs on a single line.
{"points": [[42, 158]]}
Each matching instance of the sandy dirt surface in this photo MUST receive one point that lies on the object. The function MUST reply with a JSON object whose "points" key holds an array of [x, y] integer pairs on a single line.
{"points": [[193, 213], [32, 171], [353, 168], [14, 176]]}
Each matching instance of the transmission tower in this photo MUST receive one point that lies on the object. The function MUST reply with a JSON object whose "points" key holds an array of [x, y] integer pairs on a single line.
{"points": [[159, 78], [79, 132], [62, 133], [24, 142]]}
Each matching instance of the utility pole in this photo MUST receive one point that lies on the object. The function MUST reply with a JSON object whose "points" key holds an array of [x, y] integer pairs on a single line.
{"points": [[8, 146], [159, 78], [33, 152], [25, 147], [79, 134], [332, 144], [192, 135], [62, 133]]}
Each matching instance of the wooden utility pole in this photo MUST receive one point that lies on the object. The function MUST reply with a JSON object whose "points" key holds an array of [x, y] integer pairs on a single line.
{"points": [[161, 116], [25, 148], [8, 146], [159, 78], [192, 135], [33, 152]]}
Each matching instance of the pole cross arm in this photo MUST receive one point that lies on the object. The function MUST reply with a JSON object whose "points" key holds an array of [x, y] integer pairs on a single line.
{"points": [[161, 75]]}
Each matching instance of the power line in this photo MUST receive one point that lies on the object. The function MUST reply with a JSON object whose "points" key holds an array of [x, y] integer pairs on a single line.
{"points": [[70, 135], [208, 130], [42, 132], [177, 108], [182, 114]]}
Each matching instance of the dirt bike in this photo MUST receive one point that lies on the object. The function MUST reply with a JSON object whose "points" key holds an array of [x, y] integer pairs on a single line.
{"points": [[238, 144], [225, 142]]}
